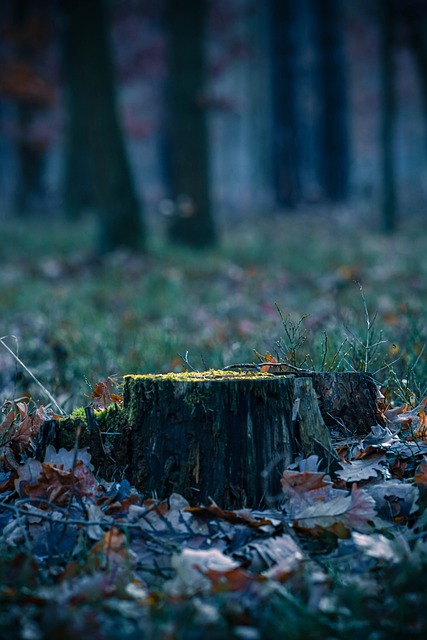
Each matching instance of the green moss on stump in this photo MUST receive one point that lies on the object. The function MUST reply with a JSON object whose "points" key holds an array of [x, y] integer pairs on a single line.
{"points": [[111, 419]]}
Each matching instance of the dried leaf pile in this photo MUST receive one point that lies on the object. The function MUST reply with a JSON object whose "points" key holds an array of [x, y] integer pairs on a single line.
{"points": [[335, 555]]}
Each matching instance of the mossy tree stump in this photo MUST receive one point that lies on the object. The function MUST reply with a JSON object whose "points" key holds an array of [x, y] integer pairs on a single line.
{"points": [[223, 435], [227, 435]]}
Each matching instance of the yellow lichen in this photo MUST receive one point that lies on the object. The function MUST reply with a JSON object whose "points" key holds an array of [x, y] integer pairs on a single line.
{"points": [[202, 376]]}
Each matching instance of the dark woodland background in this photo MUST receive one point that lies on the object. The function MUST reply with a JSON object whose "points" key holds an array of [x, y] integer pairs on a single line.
{"points": [[210, 111]]}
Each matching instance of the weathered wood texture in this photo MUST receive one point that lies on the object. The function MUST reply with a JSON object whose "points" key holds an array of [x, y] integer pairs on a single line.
{"points": [[226, 438], [348, 400]]}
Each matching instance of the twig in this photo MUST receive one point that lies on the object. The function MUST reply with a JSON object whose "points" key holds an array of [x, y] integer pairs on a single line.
{"points": [[257, 366], [185, 360], [21, 511], [48, 394]]}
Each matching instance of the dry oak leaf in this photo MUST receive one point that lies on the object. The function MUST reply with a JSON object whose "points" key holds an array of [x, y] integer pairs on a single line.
{"points": [[362, 469], [301, 482], [280, 552], [395, 500], [355, 510], [58, 485], [414, 420], [20, 427]]}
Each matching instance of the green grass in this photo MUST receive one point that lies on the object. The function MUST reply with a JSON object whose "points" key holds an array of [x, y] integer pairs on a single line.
{"points": [[79, 317]]}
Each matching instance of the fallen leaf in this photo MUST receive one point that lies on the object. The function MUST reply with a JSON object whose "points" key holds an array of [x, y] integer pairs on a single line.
{"points": [[191, 567], [420, 475], [394, 499], [103, 396], [362, 469], [241, 516], [355, 511], [112, 551], [375, 545], [299, 482]]}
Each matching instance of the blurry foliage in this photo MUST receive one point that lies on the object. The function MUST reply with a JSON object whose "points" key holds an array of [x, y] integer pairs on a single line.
{"points": [[77, 316]]}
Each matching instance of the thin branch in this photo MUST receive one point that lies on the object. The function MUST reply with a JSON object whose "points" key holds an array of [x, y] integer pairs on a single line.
{"points": [[30, 373], [259, 365]]}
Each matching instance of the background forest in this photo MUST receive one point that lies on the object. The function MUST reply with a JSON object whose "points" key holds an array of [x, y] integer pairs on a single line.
{"points": [[286, 138]]}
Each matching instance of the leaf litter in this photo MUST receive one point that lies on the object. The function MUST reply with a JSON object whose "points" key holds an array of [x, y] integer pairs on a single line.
{"points": [[133, 564]]}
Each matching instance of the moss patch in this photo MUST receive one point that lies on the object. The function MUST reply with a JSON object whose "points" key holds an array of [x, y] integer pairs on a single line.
{"points": [[109, 420], [202, 376]]}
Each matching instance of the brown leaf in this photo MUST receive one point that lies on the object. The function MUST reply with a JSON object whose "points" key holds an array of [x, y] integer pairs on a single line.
{"points": [[353, 511], [414, 420], [19, 427], [266, 367], [57, 485], [103, 396], [230, 580], [111, 551], [298, 482], [213, 511], [420, 475]]}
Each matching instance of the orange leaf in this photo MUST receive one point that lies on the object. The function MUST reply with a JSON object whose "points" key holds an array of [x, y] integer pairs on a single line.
{"points": [[103, 396], [420, 476]]}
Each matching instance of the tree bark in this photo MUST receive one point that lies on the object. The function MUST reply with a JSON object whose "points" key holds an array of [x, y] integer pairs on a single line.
{"points": [[118, 206], [193, 223], [347, 401]]}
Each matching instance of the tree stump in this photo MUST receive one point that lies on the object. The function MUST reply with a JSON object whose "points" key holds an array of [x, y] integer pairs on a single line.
{"points": [[223, 435], [227, 435]]}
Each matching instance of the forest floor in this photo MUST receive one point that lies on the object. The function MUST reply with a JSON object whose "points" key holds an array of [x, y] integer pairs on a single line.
{"points": [[80, 555], [78, 318]]}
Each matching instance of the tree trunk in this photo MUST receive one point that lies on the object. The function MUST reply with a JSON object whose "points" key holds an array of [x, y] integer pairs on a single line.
{"points": [[193, 223], [388, 115], [284, 58], [333, 139], [78, 175], [414, 14], [30, 154], [117, 202]]}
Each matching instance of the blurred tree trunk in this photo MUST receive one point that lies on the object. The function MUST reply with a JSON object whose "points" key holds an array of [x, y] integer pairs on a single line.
{"points": [[188, 147], [95, 107], [333, 139], [284, 56], [78, 191], [30, 154], [415, 15], [388, 114]]}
